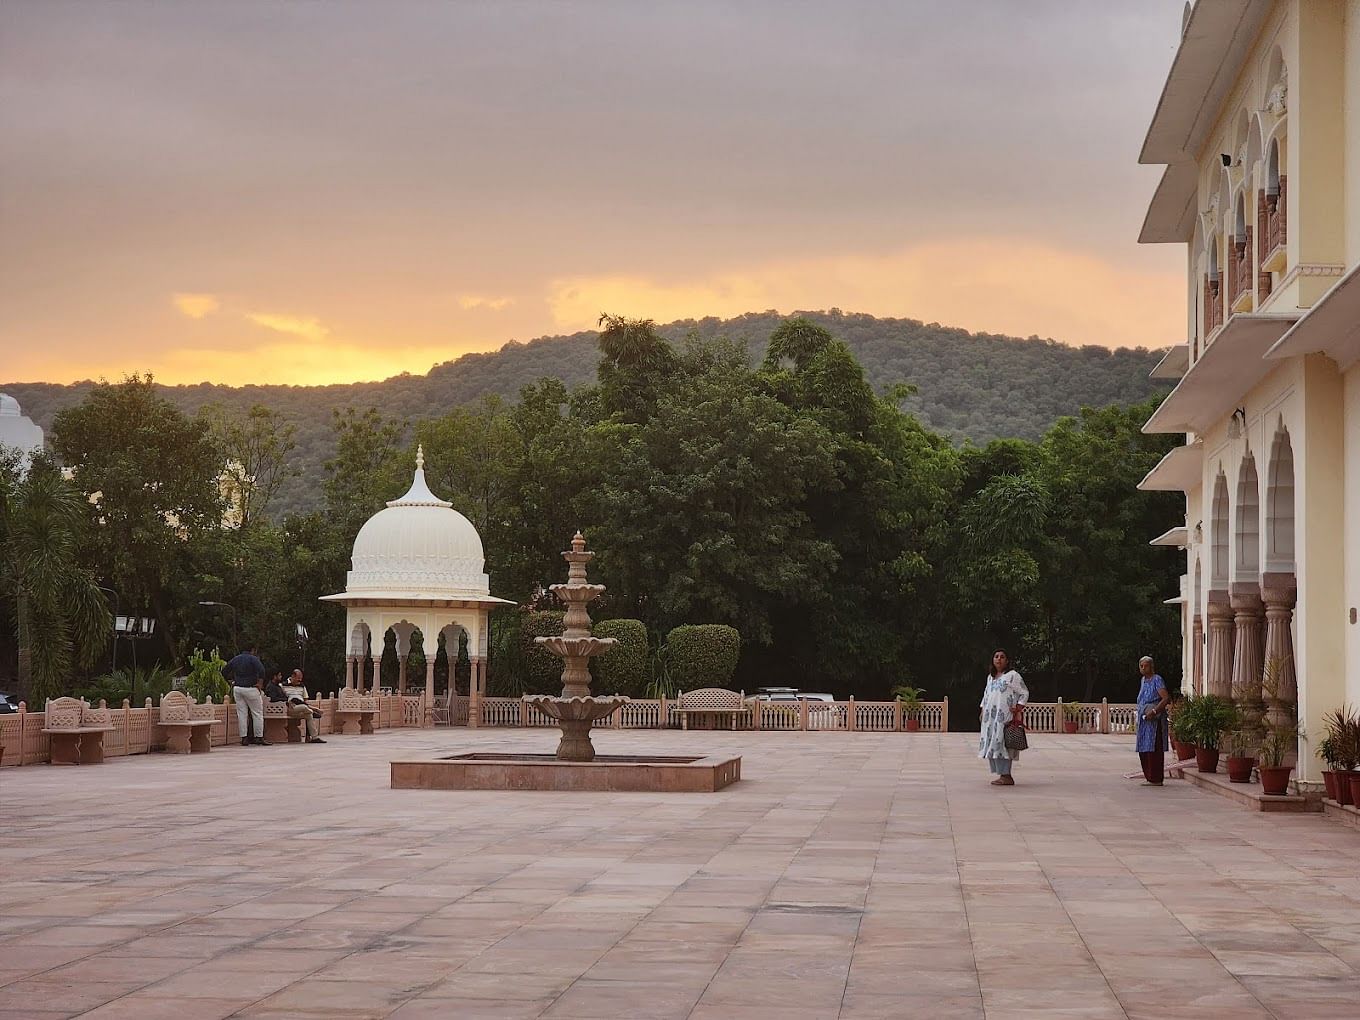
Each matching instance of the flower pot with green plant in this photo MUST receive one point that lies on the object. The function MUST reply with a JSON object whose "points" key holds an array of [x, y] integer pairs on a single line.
{"points": [[1340, 749], [1180, 714], [1240, 760], [1350, 751], [1071, 716], [1281, 740], [910, 697], [1213, 716]]}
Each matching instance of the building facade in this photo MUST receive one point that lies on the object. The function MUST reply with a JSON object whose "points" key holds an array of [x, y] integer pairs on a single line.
{"points": [[1258, 126]]}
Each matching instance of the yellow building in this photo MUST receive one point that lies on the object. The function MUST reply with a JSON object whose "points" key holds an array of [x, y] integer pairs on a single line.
{"points": [[1259, 128]]}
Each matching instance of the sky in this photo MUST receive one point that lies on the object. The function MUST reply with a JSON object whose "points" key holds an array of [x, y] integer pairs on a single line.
{"points": [[306, 192]]}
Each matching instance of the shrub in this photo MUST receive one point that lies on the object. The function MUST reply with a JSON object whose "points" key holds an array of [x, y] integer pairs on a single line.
{"points": [[126, 684], [540, 671], [623, 669], [205, 677], [703, 655]]}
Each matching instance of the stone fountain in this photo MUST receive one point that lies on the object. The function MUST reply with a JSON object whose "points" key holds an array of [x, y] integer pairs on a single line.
{"points": [[577, 710], [575, 766]]}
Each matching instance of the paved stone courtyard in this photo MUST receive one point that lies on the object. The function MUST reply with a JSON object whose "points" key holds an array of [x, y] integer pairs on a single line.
{"points": [[848, 875]]}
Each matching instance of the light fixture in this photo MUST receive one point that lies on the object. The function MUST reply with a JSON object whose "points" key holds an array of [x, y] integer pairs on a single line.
{"points": [[1237, 423], [1227, 160]]}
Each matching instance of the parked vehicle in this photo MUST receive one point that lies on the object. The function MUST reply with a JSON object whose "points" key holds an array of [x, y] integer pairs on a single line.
{"points": [[8, 703]]}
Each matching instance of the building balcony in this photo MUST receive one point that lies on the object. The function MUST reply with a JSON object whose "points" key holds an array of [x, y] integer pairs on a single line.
{"points": [[1179, 471], [1240, 289], [1228, 368], [1274, 228]]}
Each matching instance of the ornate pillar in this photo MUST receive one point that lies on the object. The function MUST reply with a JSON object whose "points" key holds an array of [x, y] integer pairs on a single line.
{"points": [[1197, 655], [1248, 638], [429, 693], [474, 693], [401, 672], [349, 671], [1278, 592], [377, 673], [1219, 680]]}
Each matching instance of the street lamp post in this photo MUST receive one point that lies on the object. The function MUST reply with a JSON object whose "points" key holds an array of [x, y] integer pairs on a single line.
{"points": [[235, 636], [136, 628]]}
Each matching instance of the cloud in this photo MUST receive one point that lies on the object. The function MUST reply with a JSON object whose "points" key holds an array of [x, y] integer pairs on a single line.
{"points": [[308, 327], [196, 305], [468, 302], [986, 284]]}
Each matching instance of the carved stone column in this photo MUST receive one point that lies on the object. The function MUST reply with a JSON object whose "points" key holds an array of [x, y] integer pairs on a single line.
{"points": [[1248, 652], [474, 694], [1278, 592], [429, 693], [1219, 680], [377, 674], [402, 661], [350, 671], [1197, 655]]}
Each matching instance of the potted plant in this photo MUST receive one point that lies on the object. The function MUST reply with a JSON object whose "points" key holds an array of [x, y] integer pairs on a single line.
{"points": [[1327, 751], [1071, 712], [910, 697], [1280, 740], [1348, 781], [1181, 716], [1212, 717], [1240, 761]]}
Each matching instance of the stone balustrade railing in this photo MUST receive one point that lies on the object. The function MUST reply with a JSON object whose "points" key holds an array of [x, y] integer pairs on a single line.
{"points": [[138, 731]]}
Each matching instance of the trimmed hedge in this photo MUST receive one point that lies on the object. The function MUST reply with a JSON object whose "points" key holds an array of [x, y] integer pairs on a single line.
{"points": [[623, 669], [703, 655], [540, 671]]}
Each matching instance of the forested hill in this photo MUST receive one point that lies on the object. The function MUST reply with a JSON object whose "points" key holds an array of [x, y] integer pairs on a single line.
{"points": [[969, 385]]}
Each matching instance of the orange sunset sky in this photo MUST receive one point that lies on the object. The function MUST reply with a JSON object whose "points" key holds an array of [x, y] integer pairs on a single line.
{"points": [[327, 192]]}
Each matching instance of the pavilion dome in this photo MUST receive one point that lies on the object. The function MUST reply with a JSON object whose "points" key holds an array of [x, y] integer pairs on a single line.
{"points": [[9, 407], [418, 546]]}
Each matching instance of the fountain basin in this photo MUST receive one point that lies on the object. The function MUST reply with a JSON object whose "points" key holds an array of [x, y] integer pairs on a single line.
{"points": [[614, 773], [576, 647]]}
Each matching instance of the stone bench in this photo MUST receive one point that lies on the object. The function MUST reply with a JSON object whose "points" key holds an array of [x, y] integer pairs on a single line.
{"points": [[354, 712], [76, 731], [279, 726], [713, 703], [188, 725]]}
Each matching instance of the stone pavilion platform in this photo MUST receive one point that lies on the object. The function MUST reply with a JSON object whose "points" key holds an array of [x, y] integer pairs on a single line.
{"points": [[848, 875]]}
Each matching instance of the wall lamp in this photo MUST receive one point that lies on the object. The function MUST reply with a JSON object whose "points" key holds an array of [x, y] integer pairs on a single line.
{"points": [[1237, 424]]}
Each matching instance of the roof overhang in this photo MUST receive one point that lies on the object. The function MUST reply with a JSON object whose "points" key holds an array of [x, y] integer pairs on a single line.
{"points": [[1216, 42], [1174, 538], [1171, 214], [1330, 327], [1173, 364], [413, 598], [1179, 600], [1230, 366], [1179, 471]]}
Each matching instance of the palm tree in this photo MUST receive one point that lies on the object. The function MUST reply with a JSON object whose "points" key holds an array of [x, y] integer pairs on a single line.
{"points": [[61, 618]]}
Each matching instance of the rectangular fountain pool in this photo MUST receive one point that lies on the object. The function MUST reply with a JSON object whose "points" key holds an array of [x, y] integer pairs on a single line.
{"points": [[613, 773]]}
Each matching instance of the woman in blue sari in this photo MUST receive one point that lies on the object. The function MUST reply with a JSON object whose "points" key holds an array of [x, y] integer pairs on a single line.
{"points": [[1152, 735]]}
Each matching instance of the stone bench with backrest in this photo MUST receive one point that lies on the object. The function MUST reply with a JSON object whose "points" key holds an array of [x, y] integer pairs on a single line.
{"points": [[76, 731], [279, 726], [713, 703], [354, 711], [188, 725]]}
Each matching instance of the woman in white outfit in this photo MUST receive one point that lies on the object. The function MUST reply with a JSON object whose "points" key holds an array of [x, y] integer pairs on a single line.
{"points": [[1003, 702]]}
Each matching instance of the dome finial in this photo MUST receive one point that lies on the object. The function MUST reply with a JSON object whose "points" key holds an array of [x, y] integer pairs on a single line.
{"points": [[420, 456]]}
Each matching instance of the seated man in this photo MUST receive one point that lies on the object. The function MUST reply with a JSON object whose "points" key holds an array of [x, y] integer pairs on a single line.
{"points": [[294, 695]]}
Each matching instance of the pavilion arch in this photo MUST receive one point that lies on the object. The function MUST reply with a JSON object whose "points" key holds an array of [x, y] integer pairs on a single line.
{"points": [[1280, 504], [1218, 535], [1247, 534], [360, 638]]}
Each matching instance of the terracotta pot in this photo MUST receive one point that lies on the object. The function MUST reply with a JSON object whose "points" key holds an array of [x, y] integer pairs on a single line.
{"points": [[1343, 787], [1206, 759], [1239, 768], [1069, 726], [1353, 781], [1275, 779], [1184, 750], [1329, 781], [913, 725]]}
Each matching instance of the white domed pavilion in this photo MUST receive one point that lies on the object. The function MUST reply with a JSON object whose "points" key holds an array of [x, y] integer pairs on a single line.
{"points": [[17, 431], [417, 565]]}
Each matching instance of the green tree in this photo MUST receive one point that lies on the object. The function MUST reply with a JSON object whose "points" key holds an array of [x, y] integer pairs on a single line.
{"points": [[258, 462], [60, 618]]}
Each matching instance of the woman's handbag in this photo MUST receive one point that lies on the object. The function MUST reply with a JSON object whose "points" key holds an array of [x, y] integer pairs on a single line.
{"points": [[1013, 736]]}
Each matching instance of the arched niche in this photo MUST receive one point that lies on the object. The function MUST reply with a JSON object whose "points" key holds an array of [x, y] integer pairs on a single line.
{"points": [[1218, 535], [1247, 534], [1280, 504]]}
